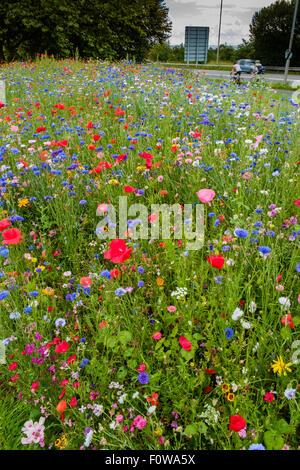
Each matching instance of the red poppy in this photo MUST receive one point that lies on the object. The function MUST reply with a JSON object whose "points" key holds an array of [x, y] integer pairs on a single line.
{"points": [[4, 223], [61, 406], [288, 320], [185, 343], [40, 129], [115, 273], [62, 347], [73, 402], [237, 423], [146, 155], [269, 397], [12, 236], [128, 189], [216, 261], [118, 251], [210, 371]]}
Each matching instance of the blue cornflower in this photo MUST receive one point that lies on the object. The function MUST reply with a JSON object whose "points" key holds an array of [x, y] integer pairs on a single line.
{"points": [[60, 322], [229, 333], [34, 293], [290, 393], [105, 273], [140, 283], [4, 294], [298, 267], [141, 270], [14, 315], [143, 378], [27, 310], [239, 232], [120, 291], [84, 362], [264, 249], [82, 202], [257, 447]]}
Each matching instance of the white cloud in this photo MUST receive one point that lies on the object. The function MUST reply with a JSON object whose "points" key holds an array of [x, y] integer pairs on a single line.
{"points": [[236, 18]]}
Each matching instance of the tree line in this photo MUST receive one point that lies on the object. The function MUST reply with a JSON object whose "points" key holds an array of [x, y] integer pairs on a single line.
{"points": [[132, 29], [114, 29]]}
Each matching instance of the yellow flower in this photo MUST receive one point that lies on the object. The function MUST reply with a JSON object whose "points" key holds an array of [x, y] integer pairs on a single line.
{"points": [[225, 388], [48, 291], [192, 364], [39, 267], [230, 396], [279, 366], [23, 202], [157, 432], [113, 182], [140, 168]]}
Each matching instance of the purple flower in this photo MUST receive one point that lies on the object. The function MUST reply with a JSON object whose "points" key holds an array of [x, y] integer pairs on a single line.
{"points": [[143, 378]]}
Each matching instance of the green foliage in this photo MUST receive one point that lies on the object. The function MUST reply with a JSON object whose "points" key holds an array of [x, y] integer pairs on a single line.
{"points": [[272, 26], [101, 29]]}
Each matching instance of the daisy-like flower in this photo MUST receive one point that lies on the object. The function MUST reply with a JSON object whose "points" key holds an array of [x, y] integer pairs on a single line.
{"points": [[280, 367]]}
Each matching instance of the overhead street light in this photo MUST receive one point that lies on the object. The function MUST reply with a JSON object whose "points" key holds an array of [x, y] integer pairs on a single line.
{"points": [[288, 53], [220, 21]]}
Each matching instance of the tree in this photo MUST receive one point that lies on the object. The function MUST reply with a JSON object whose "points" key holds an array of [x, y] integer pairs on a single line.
{"points": [[111, 29], [270, 33]]}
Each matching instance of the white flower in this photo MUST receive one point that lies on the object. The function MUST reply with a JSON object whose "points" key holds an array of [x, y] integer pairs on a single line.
{"points": [[252, 307], [135, 395], [151, 409], [238, 313], [113, 425], [88, 438], [234, 387], [219, 380], [122, 398], [230, 262], [285, 303], [245, 324]]}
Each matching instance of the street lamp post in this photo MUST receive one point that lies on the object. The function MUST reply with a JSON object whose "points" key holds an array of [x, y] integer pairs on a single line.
{"points": [[218, 51], [289, 51]]}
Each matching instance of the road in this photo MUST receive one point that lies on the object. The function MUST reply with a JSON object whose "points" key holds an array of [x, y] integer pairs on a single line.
{"points": [[269, 77]]}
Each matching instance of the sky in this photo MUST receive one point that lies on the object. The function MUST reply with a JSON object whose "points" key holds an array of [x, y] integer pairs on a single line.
{"points": [[236, 18]]}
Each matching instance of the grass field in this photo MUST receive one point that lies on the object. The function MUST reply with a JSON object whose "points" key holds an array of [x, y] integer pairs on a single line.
{"points": [[147, 343]]}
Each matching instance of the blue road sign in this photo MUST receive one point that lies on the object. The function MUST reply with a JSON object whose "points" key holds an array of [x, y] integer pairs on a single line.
{"points": [[196, 44]]}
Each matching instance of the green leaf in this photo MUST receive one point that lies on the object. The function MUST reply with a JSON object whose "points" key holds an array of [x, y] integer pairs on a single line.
{"points": [[124, 337], [188, 355], [282, 426], [285, 333], [111, 342], [273, 440], [191, 429]]}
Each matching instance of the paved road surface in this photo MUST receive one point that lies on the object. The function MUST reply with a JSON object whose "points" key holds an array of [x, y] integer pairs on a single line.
{"points": [[269, 77]]}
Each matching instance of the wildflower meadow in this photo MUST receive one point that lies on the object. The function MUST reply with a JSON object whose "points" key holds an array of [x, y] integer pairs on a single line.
{"points": [[179, 340]]}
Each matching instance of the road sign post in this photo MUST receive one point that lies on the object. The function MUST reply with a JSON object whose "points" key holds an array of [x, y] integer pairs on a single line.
{"points": [[196, 44]]}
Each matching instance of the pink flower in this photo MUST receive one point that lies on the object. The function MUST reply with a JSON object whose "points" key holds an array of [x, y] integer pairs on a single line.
{"points": [[157, 335], [185, 343], [119, 418], [34, 432], [160, 178], [206, 195], [152, 218], [139, 422], [142, 367], [102, 207], [172, 308]]}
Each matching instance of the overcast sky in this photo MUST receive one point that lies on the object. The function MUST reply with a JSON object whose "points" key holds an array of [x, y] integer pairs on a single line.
{"points": [[237, 15]]}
